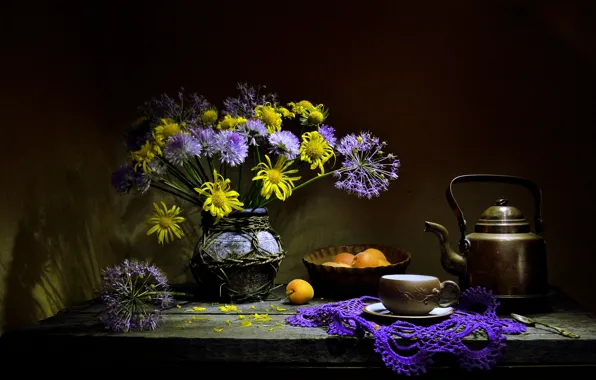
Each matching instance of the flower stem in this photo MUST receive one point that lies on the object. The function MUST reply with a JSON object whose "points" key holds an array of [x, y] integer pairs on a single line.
{"points": [[303, 184], [201, 169], [176, 193]]}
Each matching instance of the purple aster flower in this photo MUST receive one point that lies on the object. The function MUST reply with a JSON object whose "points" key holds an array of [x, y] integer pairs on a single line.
{"points": [[182, 147], [366, 169], [207, 137], [249, 97], [133, 295], [253, 130], [284, 143], [232, 147], [328, 134]]}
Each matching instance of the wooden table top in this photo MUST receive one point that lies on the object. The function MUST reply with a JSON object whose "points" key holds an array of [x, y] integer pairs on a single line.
{"points": [[191, 333]]}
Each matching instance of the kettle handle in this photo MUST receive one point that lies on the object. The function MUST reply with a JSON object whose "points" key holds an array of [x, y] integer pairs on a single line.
{"points": [[534, 189]]}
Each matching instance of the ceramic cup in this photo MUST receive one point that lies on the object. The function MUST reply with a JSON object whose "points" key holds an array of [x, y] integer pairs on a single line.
{"points": [[414, 294]]}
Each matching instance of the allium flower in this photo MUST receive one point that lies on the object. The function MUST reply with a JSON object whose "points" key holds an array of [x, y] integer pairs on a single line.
{"points": [[284, 143], [133, 295], [328, 134], [181, 148], [249, 97], [185, 109], [253, 130], [232, 147], [207, 137], [366, 169]]}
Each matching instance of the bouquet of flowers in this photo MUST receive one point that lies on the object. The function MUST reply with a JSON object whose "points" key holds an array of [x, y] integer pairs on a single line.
{"points": [[252, 151]]}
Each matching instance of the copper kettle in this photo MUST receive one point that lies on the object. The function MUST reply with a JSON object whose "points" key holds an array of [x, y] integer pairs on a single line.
{"points": [[502, 254]]}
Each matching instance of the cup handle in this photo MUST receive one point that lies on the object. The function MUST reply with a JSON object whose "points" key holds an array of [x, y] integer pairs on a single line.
{"points": [[456, 290]]}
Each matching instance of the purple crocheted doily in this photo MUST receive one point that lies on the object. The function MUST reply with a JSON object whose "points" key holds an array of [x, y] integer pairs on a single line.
{"points": [[408, 348]]}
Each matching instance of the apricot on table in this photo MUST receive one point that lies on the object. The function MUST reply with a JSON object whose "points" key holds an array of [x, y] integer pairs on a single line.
{"points": [[344, 257], [299, 291]]}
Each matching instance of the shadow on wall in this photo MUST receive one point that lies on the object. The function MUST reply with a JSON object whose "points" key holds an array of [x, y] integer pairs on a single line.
{"points": [[56, 259]]}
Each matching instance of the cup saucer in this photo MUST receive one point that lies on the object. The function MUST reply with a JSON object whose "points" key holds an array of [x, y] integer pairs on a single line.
{"points": [[377, 309]]}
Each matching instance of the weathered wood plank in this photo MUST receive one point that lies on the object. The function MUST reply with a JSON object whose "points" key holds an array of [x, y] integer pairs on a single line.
{"points": [[188, 336]]}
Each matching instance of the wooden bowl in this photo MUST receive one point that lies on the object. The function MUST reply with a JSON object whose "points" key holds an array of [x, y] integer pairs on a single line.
{"points": [[343, 283]]}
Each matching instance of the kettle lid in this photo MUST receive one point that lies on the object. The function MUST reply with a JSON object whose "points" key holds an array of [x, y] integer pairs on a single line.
{"points": [[502, 218]]}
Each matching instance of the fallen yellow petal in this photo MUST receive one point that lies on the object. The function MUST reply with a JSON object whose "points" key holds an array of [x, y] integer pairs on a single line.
{"points": [[253, 307], [246, 323], [377, 327], [228, 323], [262, 317], [280, 309], [216, 329], [189, 321], [240, 316], [195, 318], [196, 308], [178, 306], [273, 306], [227, 308], [180, 326], [271, 328]]}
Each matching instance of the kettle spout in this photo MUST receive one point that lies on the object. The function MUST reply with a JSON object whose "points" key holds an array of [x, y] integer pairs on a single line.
{"points": [[453, 262]]}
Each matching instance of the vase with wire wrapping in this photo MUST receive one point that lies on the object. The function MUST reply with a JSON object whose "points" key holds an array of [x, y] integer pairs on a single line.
{"points": [[236, 259]]}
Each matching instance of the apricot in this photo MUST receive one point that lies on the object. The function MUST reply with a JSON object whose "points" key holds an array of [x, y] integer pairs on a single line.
{"points": [[299, 291], [365, 259], [344, 257], [383, 263], [334, 264], [380, 255]]}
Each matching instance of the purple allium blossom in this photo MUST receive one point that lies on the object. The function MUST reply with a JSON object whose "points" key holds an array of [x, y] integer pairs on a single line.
{"points": [[182, 147], [284, 143], [328, 134], [253, 130], [207, 137], [133, 295], [249, 97], [366, 169], [232, 147], [183, 108]]}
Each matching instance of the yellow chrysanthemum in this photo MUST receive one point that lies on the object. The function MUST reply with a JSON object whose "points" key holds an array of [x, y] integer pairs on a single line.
{"points": [[220, 199], [165, 130], [230, 122], [270, 116], [315, 150], [145, 155], [165, 223], [209, 117], [276, 179], [314, 116], [298, 108]]}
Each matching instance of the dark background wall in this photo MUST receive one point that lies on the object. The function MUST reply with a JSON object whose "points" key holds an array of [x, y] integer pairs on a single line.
{"points": [[454, 87]]}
